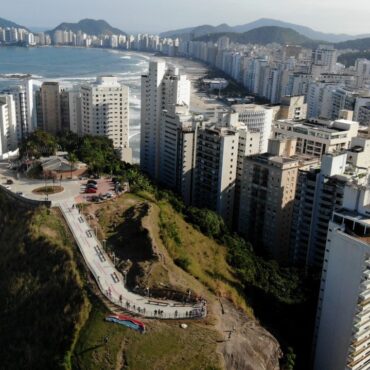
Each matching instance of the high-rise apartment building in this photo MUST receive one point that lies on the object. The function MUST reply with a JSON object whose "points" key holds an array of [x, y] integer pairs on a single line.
{"points": [[267, 192], [75, 111], [51, 111], [249, 144], [8, 123], [161, 89], [318, 137], [177, 152], [256, 117], [293, 108], [325, 57], [215, 170], [319, 192], [105, 112], [342, 333]]}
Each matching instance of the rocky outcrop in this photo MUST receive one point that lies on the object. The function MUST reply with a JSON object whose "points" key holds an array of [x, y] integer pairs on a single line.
{"points": [[246, 345]]}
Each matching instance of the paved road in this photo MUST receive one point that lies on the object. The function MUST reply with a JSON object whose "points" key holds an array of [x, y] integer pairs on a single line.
{"points": [[110, 280]]}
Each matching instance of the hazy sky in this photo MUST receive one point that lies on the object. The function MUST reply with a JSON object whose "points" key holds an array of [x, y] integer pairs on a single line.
{"points": [[338, 16]]}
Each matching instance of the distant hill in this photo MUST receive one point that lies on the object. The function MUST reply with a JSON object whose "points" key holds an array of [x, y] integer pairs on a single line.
{"points": [[362, 44], [263, 36], [349, 59], [89, 26], [4, 23], [196, 32]]}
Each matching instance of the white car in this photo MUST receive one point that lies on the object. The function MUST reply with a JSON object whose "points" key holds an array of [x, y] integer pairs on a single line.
{"points": [[8, 187]]}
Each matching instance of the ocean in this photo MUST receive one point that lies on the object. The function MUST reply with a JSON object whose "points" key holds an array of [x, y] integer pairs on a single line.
{"points": [[75, 66]]}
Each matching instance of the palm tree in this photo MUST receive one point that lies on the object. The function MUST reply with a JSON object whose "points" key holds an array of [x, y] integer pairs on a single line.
{"points": [[72, 161]]}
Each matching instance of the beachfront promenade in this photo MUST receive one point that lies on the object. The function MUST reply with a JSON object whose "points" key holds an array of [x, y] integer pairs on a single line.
{"points": [[111, 281]]}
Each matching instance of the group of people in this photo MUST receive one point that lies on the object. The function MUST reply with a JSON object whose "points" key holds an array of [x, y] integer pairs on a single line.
{"points": [[133, 307]]}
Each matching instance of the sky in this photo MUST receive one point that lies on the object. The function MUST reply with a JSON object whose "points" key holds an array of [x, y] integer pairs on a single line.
{"points": [[336, 16]]}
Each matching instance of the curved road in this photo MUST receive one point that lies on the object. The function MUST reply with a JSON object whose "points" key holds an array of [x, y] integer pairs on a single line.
{"points": [[111, 281]]}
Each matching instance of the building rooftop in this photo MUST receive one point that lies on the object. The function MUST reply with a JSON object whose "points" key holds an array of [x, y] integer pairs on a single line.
{"points": [[324, 125], [299, 159]]}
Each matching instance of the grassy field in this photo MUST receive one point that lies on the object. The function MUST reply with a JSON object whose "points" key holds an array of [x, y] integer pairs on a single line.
{"points": [[128, 232], [164, 346], [43, 304], [52, 318], [200, 256]]}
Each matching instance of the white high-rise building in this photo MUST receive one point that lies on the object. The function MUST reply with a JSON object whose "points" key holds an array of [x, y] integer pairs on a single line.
{"points": [[20, 100], [105, 112], [31, 108], [216, 169], [161, 89], [177, 151], [325, 57], [342, 332], [318, 137], [8, 136], [256, 117]]}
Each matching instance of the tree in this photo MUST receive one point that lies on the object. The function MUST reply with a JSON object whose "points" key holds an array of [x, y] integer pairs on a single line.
{"points": [[72, 161], [39, 143]]}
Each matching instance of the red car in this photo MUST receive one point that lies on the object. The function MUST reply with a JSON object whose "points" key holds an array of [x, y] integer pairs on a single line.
{"points": [[90, 190]]}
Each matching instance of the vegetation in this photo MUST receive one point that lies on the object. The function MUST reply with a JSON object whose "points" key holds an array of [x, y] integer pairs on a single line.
{"points": [[357, 44], [284, 299], [262, 36], [164, 346], [96, 151], [90, 26], [38, 144], [349, 59], [43, 304], [4, 23]]}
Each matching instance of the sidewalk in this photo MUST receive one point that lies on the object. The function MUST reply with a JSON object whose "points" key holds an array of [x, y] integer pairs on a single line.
{"points": [[111, 281]]}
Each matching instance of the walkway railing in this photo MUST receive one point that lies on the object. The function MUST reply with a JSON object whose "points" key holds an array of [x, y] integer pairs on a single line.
{"points": [[194, 312]]}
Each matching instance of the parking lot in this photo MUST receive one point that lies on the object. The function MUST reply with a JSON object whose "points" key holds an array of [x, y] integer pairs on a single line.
{"points": [[72, 189]]}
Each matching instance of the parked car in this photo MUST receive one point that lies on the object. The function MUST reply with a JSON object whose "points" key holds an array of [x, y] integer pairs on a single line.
{"points": [[92, 182], [91, 186], [19, 193], [7, 187], [9, 182], [90, 190]]}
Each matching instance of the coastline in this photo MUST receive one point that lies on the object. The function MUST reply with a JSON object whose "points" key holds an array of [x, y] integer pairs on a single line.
{"points": [[200, 103]]}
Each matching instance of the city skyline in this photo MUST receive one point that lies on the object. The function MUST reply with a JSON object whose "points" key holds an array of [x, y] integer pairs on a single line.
{"points": [[163, 15]]}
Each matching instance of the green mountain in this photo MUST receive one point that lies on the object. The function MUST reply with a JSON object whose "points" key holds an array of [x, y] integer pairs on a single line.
{"points": [[194, 32], [89, 26], [358, 44], [349, 59], [263, 36], [4, 23]]}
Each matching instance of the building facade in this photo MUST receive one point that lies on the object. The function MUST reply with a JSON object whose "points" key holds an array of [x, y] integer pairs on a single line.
{"points": [[105, 112]]}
